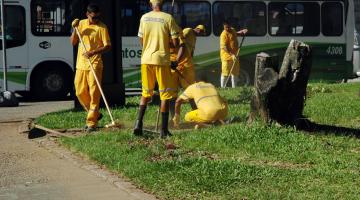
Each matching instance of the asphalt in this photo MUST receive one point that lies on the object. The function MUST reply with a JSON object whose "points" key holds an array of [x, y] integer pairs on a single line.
{"points": [[41, 169]]}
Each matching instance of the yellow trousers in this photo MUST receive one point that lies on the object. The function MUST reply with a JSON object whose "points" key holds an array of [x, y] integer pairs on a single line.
{"points": [[88, 93], [197, 116], [160, 74], [226, 67]]}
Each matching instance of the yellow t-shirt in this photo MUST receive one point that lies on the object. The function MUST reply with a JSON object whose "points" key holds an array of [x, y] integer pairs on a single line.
{"points": [[190, 38], [206, 98], [94, 36], [228, 40], [186, 59], [156, 29]]}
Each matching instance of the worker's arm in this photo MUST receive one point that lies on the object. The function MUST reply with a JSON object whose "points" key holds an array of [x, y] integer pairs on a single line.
{"points": [[99, 50], [179, 102], [181, 52], [176, 119], [175, 42], [74, 38], [141, 41]]}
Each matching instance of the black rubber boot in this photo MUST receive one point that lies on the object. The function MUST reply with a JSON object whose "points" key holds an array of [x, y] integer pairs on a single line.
{"points": [[138, 128], [139, 122], [164, 132]]}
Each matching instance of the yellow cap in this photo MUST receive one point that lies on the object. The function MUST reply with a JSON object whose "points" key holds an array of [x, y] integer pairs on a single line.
{"points": [[156, 1], [200, 27]]}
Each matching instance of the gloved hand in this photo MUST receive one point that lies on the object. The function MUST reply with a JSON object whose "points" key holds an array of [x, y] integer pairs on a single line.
{"points": [[233, 56], [75, 23], [176, 120], [173, 65]]}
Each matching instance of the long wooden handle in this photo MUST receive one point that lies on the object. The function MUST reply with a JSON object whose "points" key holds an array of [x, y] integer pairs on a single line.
{"points": [[96, 78], [232, 67], [50, 130]]}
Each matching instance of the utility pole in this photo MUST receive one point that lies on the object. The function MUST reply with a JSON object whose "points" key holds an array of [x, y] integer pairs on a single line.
{"points": [[3, 44]]}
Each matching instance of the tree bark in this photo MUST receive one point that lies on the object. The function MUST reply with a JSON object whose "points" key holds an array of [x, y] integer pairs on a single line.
{"points": [[280, 95]]}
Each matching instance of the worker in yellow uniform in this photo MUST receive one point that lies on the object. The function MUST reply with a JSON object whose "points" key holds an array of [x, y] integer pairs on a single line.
{"points": [[183, 55], [211, 107], [190, 37], [157, 29], [184, 72], [229, 48], [96, 38]]}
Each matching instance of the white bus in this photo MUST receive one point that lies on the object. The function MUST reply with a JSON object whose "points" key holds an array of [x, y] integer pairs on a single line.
{"points": [[41, 60], [328, 26], [39, 57]]}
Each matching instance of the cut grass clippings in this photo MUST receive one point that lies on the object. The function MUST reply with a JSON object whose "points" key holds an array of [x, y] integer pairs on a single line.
{"points": [[235, 161]]}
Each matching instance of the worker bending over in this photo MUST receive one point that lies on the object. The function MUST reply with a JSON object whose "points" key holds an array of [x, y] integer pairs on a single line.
{"points": [[229, 48], [211, 107], [96, 38], [190, 37], [181, 57], [157, 29]]}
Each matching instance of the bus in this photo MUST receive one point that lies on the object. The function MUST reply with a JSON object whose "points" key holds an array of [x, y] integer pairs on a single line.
{"points": [[41, 60], [327, 26]]}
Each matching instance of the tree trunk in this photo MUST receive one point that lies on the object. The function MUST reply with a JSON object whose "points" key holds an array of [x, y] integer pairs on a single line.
{"points": [[280, 95]]}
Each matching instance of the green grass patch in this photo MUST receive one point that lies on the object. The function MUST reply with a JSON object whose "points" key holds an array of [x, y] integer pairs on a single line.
{"points": [[235, 161]]}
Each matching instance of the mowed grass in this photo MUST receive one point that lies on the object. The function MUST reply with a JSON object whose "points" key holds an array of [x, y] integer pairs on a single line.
{"points": [[235, 161]]}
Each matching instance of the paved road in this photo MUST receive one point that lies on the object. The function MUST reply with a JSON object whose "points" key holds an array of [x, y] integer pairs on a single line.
{"points": [[32, 109], [40, 169]]}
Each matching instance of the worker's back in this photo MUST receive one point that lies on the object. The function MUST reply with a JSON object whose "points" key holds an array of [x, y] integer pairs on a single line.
{"points": [[206, 97], [156, 29]]}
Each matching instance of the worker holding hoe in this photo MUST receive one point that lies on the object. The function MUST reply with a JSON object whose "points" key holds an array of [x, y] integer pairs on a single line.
{"points": [[181, 61], [229, 48], [96, 38], [211, 107], [181, 57], [157, 29]]}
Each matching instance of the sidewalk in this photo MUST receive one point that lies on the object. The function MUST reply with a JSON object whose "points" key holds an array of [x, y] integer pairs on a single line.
{"points": [[47, 171]]}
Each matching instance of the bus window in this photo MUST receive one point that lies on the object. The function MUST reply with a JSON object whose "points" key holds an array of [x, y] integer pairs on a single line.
{"points": [[250, 15], [294, 19], [190, 14], [50, 18], [332, 18], [131, 12], [14, 26]]}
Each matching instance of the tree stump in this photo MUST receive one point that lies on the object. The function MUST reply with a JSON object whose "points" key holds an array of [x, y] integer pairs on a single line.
{"points": [[280, 95]]}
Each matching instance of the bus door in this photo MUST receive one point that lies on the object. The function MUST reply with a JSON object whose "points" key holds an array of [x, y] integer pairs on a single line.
{"points": [[16, 47]]}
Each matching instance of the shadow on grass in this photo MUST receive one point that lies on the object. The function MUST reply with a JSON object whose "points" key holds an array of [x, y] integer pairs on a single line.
{"points": [[308, 126]]}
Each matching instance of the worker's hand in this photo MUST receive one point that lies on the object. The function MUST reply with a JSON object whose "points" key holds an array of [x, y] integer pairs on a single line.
{"points": [[180, 68], [89, 54], [75, 23], [244, 31], [173, 65], [233, 57], [176, 120]]}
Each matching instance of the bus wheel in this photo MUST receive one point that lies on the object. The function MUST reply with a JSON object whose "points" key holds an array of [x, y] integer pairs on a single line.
{"points": [[244, 78], [51, 84]]}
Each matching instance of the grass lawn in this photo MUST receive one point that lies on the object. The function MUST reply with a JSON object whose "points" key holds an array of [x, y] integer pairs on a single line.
{"points": [[234, 161]]}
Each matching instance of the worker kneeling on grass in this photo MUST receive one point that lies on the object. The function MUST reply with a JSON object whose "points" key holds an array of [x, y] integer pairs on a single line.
{"points": [[211, 107]]}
